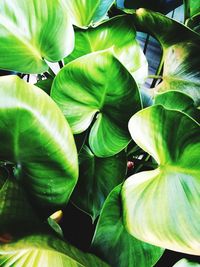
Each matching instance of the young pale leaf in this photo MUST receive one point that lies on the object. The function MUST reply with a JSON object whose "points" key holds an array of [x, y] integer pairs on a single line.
{"points": [[181, 63], [31, 32], [178, 101], [45, 251], [36, 138], [114, 244], [119, 34], [162, 206], [98, 84], [85, 13], [98, 176], [186, 263]]}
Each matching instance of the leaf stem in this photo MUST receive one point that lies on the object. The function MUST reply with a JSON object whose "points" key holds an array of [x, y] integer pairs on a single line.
{"points": [[60, 63]]}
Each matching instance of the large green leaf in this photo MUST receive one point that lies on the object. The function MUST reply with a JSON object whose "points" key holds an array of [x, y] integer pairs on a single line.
{"points": [[98, 176], [98, 84], [180, 49], [114, 244], [162, 206], [42, 250], [37, 140], [194, 23], [186, 263], [86, 13], [33, 31], [119, 34], [179, 101]]}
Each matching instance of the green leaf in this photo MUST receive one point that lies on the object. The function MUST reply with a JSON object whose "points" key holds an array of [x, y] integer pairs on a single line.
{"points": [[86, 13], [37, 140], [186, 263], [178, 101], [162, 206], [114, 244], [194, 23], [45, 85], [192, 7], [181, 64], [45, 251], [119, 34], [32, 32], [98, 176], [98, 87], [15, 209]]}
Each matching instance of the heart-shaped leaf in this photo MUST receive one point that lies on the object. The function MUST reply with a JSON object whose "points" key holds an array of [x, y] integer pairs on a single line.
{"points": [[181, 63], [45, 251], [85, 13], [119, 34], [162, 206], [114, 244], [179, 101], [37, 140], [33, 31], [98, 84], [98, 176], [186, 263]]}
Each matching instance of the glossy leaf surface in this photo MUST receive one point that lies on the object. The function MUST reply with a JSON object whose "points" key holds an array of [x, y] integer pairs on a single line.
{"points": [[119, 34], [159, 204], [181, 64], [98, 87], [192, 7], [178, 101], [114, 244], [86, 13], [32, 32], [45, 251], [37, 140], [98, 176]]}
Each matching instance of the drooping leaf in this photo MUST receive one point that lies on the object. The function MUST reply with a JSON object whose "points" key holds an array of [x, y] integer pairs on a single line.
{"points": [[97, 178], [114, 244], [33, 31], [162, 206], [86, 13], [181, 63], [119, 34], [98, 84], [178, 101], [45, 251], [163, 6], [186, 263], [37, 140]]}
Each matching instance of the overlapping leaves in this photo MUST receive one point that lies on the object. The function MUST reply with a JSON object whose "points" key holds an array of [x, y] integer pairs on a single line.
{"points": [[114, 244], [33, 31], [181, 65], [119, 34], [37, 141], [98, 87], [159, 204]]}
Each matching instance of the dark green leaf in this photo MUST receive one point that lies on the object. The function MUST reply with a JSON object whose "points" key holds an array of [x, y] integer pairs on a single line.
{"points": [[186, 263], [98, 176]]}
